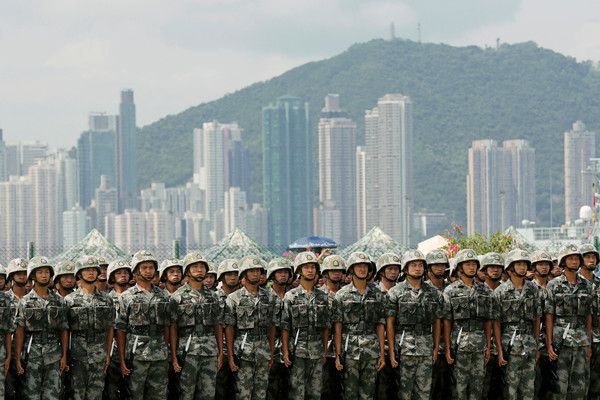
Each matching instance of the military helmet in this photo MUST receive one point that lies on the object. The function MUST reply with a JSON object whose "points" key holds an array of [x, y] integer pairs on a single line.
{"points": [[539, 256], [66, 267], [413, 255], [278, 264], [386, 260], [466, 255], [102, 261], [251, 262], [333, 263], [166, 264], [142, 256], [517, 255], [437, 256], [229, 265], [16, 265], [491, 258], [212, 269], [115, 266], [306, 257], [193, 258], [569, 250], [554, 256], [3, 270], [589, 248], [358, 257], [87, 262], [36, 263]]}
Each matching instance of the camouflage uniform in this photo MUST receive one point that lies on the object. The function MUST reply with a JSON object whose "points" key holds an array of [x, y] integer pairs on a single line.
{"points": [[571, 304], [359, 315], [6, 327], [518, 313], [594, 388], [468, 308], [414, 312], [145, 314], [196, 313], [12, 378], [252, 315], [90, 318], [43, 319]]}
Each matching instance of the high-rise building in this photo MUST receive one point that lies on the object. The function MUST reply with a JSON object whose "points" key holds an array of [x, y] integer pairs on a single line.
{"points": [[3, 166], [13, 158], [337, 171], [107, 202], [235, 211], [388, 136], [15, 216], [580, 147], [329, 221], [500, 185], [236, 163], [74, 226], [46, 206], [126, 154], [287, 170], [258, 224], [361, 192], [32, 151]]}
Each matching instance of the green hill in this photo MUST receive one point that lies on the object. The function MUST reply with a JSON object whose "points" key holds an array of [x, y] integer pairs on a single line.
{"points": [[459, 94]]}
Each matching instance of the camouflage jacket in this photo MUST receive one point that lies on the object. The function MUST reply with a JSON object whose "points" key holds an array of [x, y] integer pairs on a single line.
{"points": [[252, 315], [518, 311], [222, 300], [6, 320], [468, 308], [414, 311], [90, 316], [359, 315], [306, 315], [278, 355], [43, 319], [330, 297], [596, 288], [144, 314], [542, 294], [570, 304], [196, 312]]}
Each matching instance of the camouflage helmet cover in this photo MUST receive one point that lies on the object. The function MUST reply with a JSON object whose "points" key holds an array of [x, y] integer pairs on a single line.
{"points": [[540, 256], [589, 248], [3, 270], [278, 264], [388, 259], [212, 270], [358, 257], [65, 267], [413, 255], [569, 250], [306, 257], [465, 255], [87, 262], [166, 264], [491, 258], [193, 258], [333, 263], [38, 262], [517, 255], [229, 265], [251, 262], [115, 266], [16, 265], [102, 261], [437, 256], [142, 256]]}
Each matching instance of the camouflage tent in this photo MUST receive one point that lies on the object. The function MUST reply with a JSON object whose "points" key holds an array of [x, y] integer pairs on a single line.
{"points": [[521, 240], [375, 243], [93, 244], [237, 245]]}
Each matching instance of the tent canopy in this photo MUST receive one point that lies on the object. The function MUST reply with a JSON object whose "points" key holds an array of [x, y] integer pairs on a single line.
{"points": [[93, 244], [375, 243], [313, 242], [237, 245]]}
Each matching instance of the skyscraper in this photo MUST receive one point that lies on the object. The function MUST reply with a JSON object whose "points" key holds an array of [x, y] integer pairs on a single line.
{"points": [[126, 154], [3, 164], [287, 170], [236, 163], [361, 192], [107, 202], [74, 226], [15, 216], [32, 150], [337, 171], [46, 201], [388, 136], [500, 185], [580, 146]]}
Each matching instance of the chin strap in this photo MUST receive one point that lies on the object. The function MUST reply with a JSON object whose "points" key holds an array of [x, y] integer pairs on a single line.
{"points": [[89, 282], [42, 284]]}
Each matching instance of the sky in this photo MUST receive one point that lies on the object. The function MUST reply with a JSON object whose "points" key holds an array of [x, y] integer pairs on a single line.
{"points": [[60, 60]]}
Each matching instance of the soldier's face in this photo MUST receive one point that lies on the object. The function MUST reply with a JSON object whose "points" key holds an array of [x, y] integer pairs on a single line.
{"points": [[20, 277], [361, 270], [469, 267], [147, 269], [174, 275], [572, 261], [42, 275], [263, 278], [102, 275], [283, 275], [209, 281], [309, 271], [391, 272], [438, 269], [480, 276], [335, 276], [67, 281], [589, 260], [416, 268], [89, 274], [254, 275], [542, 267], [520, 267], [231, 278], [494, 271], [121, 276], [2, 282]]}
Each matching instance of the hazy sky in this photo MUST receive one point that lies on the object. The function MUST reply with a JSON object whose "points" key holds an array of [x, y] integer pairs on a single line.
{"points": [[62, 59]]}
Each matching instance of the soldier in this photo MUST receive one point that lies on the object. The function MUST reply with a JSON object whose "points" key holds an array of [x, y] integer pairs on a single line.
{"points": [[6, 328], [557, 269], [170, 272], [3, 286], [250, 319], [228, 275], [42, 335], [91, 322], [359, 326], [590, 261], [305, 323], [387, 271], [64, 278], [468, 314], [142, 325], [517, 327], [101, 283], [413, 313], [332, 269], [279, 272], [196, 332], [118, 276], [211, 277], [568, 310]]}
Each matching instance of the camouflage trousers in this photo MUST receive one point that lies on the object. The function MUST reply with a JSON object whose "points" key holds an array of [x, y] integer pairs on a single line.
{"points": [[41, 381], [276, 376], [88, 380], [252, 380], [519, 377], [358, 377], [439, 389], [225, 385], [387, 379], [306, 378], [469, 372], [198, 378], [594, 389], [112, 379], [415, 377], [330, 386], [148, 380], [573, 370]]}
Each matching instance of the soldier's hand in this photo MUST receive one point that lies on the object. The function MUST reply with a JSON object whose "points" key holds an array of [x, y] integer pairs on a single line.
{"points": [[551, 354], [176, 367], [488, 354], [286, 360], [271, 363], [338, 365], [20, 369], [501, 361], [589, 354], [219, 360], [124, 370], [63, 364], [393, 361], [537, 356], [324, 360], [449, 359], [435, 354], [232, 365], [380, 363], [6, 366], [107, 363]]}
